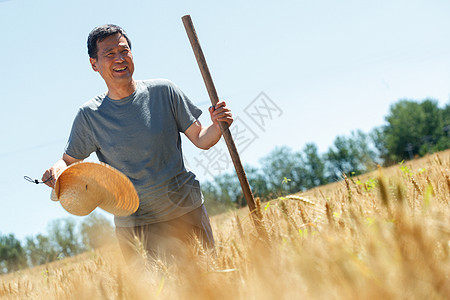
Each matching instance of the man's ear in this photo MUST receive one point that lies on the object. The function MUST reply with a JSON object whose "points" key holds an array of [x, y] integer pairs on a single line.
{"points": [[93, 62]]}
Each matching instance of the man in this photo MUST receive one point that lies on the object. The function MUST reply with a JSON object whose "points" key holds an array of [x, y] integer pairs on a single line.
{"points": [[135, 127]]}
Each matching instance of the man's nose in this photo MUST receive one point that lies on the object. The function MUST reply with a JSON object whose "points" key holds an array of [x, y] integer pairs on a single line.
{"points": [[119, 57]]}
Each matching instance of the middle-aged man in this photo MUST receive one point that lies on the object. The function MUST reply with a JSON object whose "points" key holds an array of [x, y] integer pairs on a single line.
{"points": [[135, 127]]}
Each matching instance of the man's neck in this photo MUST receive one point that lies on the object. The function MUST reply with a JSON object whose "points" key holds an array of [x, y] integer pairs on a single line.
{"points": [[122, 91]]}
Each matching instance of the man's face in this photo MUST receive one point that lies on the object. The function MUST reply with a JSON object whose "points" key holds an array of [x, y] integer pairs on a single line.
{"points": [[114, 60]]}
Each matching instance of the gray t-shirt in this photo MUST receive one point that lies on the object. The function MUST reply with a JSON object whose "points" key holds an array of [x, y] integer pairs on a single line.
{"points": [[140, 136]]}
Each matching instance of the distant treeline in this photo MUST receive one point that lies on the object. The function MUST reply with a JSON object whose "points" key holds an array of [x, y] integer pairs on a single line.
{"points": [[412, 129], [65, 238]]}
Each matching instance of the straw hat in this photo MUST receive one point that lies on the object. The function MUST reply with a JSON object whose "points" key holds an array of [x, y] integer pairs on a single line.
{"points": [[85, 185]]}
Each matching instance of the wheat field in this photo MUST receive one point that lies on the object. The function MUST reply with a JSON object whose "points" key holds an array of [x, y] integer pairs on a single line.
{"points": [[382, 235]]}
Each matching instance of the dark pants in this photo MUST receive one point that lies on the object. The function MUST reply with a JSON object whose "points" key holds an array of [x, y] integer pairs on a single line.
{"points": [[166, 240]]}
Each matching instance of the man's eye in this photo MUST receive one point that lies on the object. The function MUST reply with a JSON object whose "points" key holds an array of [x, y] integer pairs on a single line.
{"points": [[125, 51], [109, 54]]}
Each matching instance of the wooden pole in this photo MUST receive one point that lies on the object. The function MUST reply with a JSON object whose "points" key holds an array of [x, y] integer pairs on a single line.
{"points": [[201, 61]]}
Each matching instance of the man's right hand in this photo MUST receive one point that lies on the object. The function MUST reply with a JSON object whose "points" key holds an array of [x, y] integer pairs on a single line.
{"points": [[57, 169]]}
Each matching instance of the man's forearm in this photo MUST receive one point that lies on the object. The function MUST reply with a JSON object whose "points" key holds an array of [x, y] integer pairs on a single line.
{"points": [[208, 137]]}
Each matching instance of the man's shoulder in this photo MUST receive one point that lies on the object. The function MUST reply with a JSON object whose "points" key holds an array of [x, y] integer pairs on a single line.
{"points": [[157, 82], [94, 103]]}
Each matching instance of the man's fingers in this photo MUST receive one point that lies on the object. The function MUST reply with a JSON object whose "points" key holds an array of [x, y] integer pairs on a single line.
{"points": [[45, 175], [221, 110], [45, 178], [220, 104], [221, 113], [225, 117], [50, 176]]}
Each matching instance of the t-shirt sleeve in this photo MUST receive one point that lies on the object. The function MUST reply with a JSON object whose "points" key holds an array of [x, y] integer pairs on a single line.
{"points": [[81, 143], [185, 112]]}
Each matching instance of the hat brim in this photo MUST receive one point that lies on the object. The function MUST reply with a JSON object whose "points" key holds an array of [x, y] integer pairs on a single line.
{"points": [[83, 186]]}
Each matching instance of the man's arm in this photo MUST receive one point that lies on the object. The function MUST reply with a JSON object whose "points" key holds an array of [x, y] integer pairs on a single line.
{"points": [[206, 137], [57, 168]]}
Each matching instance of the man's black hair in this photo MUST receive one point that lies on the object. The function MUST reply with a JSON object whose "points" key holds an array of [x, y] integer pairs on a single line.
{"points": [[100, 33]]}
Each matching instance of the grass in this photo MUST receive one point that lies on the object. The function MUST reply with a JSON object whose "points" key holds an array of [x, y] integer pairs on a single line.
{"points": [[383, 235]]}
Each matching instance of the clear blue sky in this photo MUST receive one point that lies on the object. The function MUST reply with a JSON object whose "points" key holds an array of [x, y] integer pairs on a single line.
{"points": [[328, 67]]}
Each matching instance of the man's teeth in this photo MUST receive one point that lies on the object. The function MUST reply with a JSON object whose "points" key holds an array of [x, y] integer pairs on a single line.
{"points": [[120, 69]]}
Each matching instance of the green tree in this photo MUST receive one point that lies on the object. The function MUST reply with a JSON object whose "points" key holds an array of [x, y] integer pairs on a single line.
{"points": [[258, 182], [433, 129], [213, 202], [443, 132], [225, 192], [415, 129], [12, 254], [284, 170], [40, 250], [96, 231], [229, 189], [64, 237], [352, 155], [314, 166], [378, 138]]}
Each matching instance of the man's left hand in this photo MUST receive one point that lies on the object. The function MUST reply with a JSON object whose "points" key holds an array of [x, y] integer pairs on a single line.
{"points": [[220, 113]]}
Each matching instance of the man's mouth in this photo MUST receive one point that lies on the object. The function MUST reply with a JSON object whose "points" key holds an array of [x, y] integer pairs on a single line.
{"points": [[120, 69]]}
